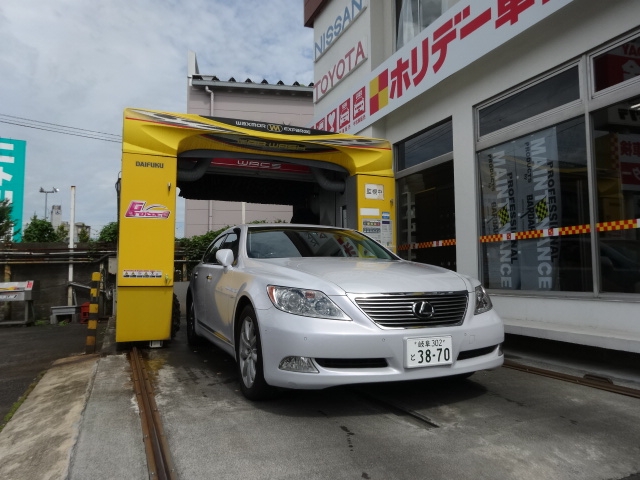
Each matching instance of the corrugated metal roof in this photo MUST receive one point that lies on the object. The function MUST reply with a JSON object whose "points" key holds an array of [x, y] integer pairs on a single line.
{"points": [[214, 82]]}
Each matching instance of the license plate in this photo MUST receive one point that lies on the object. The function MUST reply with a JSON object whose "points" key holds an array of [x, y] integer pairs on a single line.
{"points": [[428, 351]]}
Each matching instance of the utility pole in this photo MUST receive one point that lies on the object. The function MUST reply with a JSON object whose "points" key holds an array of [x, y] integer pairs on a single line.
{"points": [[72, 231]]}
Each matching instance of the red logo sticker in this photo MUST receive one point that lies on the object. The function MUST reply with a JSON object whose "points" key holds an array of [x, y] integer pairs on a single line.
{"points": [[137, 209]]}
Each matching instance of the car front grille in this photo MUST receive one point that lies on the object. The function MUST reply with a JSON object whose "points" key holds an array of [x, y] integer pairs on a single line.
{"points": [[402, 310]]}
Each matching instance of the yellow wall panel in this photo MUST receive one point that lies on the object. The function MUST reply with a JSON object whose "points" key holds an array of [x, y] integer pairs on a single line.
{"points": [[147, 220], [144, 314]]}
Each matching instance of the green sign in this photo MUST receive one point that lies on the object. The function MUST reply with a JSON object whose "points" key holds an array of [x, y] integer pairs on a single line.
{"points": [[12, 165]]}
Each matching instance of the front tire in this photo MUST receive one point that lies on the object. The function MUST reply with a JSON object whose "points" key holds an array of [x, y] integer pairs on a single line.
{"points": [[249, 357]]}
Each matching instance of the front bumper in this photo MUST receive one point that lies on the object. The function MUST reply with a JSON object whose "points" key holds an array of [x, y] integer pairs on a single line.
{"points": [[285, 335]]}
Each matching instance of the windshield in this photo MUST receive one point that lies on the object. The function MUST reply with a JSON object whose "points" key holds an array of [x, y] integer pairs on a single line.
{"points": [[283, 242]]}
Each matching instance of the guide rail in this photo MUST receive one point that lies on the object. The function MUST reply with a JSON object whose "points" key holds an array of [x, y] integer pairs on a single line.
{"points": [[159, 462], [593, 381]]}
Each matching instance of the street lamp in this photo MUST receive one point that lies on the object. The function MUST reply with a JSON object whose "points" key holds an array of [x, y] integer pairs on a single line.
{"points": [[46, 194]]}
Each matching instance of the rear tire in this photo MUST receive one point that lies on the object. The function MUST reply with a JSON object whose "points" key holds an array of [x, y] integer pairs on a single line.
{"points": [[249, 358], [193, 339], [175, 316]]}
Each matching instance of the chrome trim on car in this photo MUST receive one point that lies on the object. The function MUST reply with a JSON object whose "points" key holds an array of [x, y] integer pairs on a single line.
{"points": [[414, 310], [213, 332]]}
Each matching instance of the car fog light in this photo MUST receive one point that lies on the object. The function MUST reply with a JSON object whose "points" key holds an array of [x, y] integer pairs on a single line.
{"points": [[298, 364]]}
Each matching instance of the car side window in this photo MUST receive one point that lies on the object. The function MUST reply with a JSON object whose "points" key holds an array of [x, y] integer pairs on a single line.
{"points": [[210, 253], [231, 242]]}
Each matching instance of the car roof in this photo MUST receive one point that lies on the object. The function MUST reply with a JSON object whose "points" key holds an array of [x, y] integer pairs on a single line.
{"points": [[249, 226]]}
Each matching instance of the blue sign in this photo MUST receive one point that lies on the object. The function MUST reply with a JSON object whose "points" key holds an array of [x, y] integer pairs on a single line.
{"points": [[12, 166], [339, 25]]}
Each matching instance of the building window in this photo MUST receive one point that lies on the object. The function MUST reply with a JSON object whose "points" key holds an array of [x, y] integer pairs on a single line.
{"points": [[616, 133], [535, 211], [427, 145], [426, 210], [413, 16], [559, 191], [546, 95], [617, 65], [427, 229]]}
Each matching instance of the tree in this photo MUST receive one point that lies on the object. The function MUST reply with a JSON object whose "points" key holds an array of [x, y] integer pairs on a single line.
{"points": [[39, 230], [109, 233], [62, 232], [6, 222], [194, 247], [83, 235]]}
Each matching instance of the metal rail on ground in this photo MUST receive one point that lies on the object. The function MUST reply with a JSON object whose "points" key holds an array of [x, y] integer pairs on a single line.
{"points": [[159, 462], [592, 381]]}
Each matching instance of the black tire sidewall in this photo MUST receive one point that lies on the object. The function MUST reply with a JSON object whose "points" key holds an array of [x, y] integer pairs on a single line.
{"points": [[175, 316], [193, 339]]}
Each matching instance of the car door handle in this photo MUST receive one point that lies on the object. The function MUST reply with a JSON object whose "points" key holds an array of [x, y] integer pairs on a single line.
{"points": [[209, 277]]}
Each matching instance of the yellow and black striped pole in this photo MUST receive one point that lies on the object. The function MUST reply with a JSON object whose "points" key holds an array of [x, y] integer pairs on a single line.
{"points": [[93, 314]]}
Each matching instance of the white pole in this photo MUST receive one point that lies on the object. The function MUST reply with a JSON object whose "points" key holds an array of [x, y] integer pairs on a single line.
{"points": [[72, 231]]}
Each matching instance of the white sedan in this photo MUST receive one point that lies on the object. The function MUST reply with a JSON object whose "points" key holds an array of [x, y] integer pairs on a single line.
{"points": [[309, 307]]}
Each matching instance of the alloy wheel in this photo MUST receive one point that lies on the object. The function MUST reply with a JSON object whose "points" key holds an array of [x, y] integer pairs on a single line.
{"points": [[248, 355]]}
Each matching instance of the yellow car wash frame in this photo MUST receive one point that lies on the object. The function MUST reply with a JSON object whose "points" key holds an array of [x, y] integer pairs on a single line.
{"points": [[152, 143]]}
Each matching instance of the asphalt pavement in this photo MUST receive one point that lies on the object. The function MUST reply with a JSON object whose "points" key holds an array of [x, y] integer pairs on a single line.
{"points": [[29, 351]]}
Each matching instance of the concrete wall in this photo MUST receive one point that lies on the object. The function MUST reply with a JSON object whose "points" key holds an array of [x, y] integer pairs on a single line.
{"points": [[50, 286], [202, 216], [289, 110], [51, 280]]}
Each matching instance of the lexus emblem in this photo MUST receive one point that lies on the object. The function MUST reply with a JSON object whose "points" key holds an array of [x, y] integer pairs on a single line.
{"points": [[422, 310], [274, 128]]}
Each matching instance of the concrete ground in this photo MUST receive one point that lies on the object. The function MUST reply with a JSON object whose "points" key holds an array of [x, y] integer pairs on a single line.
{"points": [[38, 440], [81, 421], [500, 425]]}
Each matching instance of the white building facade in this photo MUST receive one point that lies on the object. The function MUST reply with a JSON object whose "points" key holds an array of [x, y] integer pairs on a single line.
{"points": [[516, 133]]}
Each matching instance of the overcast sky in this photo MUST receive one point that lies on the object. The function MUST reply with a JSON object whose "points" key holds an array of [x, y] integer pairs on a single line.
{"points": [[79, 63]]}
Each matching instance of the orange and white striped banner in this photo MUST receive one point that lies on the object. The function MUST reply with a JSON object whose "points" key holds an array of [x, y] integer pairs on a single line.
{"points": [[548, 232], [435, 243], [618, 225]]}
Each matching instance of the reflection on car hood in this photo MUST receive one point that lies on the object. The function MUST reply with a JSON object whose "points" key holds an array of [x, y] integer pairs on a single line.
{"points": [[368, 276]]}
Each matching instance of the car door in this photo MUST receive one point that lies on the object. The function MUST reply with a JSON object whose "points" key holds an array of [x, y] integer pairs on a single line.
{"points": [[217, 293], [203, 293], [227, 289]]}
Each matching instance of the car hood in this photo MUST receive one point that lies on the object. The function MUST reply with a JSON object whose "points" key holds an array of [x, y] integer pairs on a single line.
{"points": [[363, 275]]}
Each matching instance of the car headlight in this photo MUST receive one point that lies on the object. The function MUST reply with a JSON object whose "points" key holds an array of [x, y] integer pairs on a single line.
{"points": [[308, 303], [483, 302]]}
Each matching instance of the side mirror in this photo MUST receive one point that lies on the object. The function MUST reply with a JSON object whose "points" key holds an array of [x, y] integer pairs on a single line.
{"points": [[224, 257]]}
